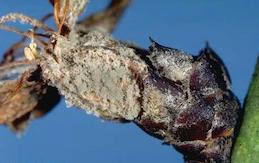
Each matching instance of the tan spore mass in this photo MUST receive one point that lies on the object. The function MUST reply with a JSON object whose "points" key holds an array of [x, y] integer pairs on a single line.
{"points": [[100, 78]]}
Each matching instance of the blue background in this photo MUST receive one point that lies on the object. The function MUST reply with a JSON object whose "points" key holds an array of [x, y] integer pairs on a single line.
{"points": [[70, 135]]}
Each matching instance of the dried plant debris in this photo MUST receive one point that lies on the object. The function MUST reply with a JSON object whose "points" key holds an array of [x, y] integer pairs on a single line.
{"points": [[15, 51], [22, 93], [68, 11], [11, 97], [22, 88], [105, 20], [182, 99]]}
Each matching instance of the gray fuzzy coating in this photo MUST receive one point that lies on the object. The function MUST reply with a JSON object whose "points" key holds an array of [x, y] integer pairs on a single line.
{"points": [[172, 63], [97, 74]]}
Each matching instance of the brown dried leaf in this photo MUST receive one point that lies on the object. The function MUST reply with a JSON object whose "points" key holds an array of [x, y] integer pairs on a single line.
{"points": [[107, 19], [21, 99], [66, 13]]}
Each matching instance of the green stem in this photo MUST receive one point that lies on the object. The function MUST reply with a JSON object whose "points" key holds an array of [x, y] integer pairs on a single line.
{"points": [[246, 149]]}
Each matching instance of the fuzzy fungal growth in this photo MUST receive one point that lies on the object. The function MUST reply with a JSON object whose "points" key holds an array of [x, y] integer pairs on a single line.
{"points": [[98, 74], [182, 99]]}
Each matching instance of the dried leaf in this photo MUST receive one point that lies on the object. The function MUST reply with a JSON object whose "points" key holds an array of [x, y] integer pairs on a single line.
{"points": [[66, 13], [107, 19], [20, 98]]}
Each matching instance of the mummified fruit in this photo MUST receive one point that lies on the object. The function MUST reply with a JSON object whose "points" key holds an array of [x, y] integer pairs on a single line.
{"points": [[182, 99]]}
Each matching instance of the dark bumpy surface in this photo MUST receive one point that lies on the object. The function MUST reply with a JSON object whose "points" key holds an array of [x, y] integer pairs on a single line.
{"points": [[200, 111]]}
